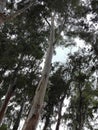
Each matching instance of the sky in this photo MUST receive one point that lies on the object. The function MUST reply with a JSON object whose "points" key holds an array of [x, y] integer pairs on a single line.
{"points": [[62, 52]]}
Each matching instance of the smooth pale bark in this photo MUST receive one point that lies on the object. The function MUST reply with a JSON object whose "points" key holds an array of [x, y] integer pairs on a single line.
{"points": [[6, 101], [33, 117]]}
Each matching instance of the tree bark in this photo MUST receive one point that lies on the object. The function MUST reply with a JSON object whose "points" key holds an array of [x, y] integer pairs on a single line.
{"points": [[59, 113], [80, 108], [16, 125], [37, 103], [10, 90], [7, 98], [46, 123]]}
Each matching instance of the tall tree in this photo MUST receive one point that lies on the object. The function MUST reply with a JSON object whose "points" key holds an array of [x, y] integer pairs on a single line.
{"points": [[37, 103], [16, 125], [57, 91], [81, 102], [16, 55], [59, 112], [74, 23]]}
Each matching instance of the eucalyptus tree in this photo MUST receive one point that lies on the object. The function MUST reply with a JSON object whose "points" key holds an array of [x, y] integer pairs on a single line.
{"points": [[57, 91], [82, 91], [66, 18], [18, 59], [37, 102]]}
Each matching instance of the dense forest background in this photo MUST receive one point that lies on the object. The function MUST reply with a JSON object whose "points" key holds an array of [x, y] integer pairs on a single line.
{"points": [[71, 98]]}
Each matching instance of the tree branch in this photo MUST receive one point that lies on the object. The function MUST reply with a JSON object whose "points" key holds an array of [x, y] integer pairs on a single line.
{"points": [[46, 20], [5, 18]]}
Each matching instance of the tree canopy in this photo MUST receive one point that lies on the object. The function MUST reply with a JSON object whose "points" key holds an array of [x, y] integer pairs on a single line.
{"points": [[25, 31]]}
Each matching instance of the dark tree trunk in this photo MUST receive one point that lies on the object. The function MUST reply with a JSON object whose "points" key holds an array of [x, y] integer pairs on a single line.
{"points": [[80, 107], [7, 98], [46, 123], [10, 91], [16, 125], [80, 121], [59, 113]]}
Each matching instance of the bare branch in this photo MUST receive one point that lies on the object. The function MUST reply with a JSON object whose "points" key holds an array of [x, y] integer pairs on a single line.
{"points": [[46, 20]]}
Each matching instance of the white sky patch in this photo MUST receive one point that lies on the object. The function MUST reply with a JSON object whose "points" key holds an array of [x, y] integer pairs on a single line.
{"points": [[61, 54], [79, 43]]}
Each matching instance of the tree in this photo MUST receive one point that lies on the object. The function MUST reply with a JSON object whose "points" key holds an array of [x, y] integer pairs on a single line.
{"points": [[16, 125], [72, 12], [58, 90], [33, 116], [80, 109], [16, 55]]}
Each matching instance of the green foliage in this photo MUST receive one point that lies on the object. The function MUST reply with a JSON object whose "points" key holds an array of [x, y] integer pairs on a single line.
{"points": [[3, 127], [83, 93], [23, 42], [22, 45]]}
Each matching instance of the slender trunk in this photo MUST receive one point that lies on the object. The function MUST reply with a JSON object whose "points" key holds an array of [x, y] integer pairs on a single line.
{"points": [[59, 118], [46, 123], [37, 103], [16, 125], [59, 113], [80, 109], [7, 98], [10, 91]]}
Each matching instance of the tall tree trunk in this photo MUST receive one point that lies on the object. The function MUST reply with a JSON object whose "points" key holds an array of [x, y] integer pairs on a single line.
{"points": [[59, 118], [16, 125], [80, 108], [59, 113], [37, 103], [10, 91], [7, 98], [46, 123]]}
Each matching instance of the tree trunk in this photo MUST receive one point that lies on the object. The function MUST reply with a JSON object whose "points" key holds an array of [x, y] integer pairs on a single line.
{"points": [[59, 119], [80, 108], [37, 103], [7, 98], [59, 113], [10, 91], [46, 123], [16, 125]]}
